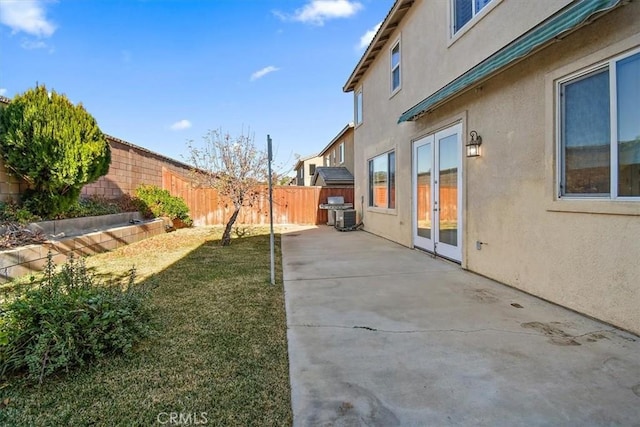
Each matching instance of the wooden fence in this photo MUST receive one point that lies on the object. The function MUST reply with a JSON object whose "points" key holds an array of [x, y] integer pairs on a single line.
{"points": [[291, 204]]}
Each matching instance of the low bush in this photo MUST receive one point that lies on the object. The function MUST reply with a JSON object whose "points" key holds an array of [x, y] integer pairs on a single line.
{"points": [[157, 202], [69, 319], [91, 206], [11, 211]]}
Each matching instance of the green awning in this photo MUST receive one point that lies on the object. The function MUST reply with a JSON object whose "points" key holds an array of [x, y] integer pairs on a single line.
{"points": [[567, 20]]}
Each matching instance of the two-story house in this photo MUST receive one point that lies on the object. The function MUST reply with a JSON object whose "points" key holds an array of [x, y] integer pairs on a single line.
{"points": [[505, 135], [337, 168], [305, 168]]}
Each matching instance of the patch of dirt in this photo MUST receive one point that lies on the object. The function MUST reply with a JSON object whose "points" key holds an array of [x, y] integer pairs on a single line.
{"points": [[481, 295], [552, 330], [15, 234], [595, 337]]}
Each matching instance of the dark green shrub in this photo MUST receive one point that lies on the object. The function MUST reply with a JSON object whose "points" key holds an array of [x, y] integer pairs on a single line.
{"points": [[156, 202], [11, 211], [91, 206], [55, 146], [69, 319]]}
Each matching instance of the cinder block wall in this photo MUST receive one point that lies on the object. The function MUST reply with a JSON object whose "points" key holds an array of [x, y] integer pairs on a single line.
{"points": [[131, 166], [10, 186], [33, 258]]}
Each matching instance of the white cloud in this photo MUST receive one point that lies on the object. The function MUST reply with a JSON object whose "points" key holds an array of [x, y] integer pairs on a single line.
{"points": [[368, 36], [181, 125], [26, 16], [33, 44], [263, 72], [3, 91], [318, 11]]}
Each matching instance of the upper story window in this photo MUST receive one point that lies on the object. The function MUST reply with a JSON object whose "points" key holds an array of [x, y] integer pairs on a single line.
{"points": [[357, 110], [341, 153], [465, 10], [327, 160], [396, 78], [382, 181], [599, 134], [312, 169]]}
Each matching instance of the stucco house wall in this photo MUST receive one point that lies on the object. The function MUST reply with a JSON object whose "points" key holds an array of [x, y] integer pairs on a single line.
{"points": [[302, 169], [578, 253], [332, 150]]}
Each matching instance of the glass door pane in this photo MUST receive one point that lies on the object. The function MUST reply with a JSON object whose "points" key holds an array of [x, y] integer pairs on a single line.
{"points": [[448, 190], [423, 195]]}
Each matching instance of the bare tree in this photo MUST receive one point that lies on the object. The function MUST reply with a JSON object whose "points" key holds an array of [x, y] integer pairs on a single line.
{"points": [[233, 166]]}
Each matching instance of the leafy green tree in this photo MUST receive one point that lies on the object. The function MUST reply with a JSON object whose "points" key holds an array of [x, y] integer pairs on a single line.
{"points": [[53, 145]]}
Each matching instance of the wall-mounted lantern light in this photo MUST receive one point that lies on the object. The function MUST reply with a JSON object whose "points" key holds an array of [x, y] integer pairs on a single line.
{"points": [[473, 146]]}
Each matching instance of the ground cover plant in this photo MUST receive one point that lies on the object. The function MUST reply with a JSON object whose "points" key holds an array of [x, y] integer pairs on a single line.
{"points": [[219, 353], [68, 319]]}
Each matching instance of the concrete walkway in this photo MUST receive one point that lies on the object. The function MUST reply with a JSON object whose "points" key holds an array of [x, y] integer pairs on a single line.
{"points": [[382, 335]]}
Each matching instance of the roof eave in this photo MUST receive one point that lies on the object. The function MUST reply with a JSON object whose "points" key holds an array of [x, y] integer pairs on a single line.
{"points": [[389, 25], [336, 138]]}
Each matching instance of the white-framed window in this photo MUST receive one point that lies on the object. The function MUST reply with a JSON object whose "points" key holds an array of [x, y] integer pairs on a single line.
{"points": [[327, 160], [333, 156], [312, 170], [341, 153], [599, 131], [396, 76], [357, 108], [465, 10], [382, 181]]}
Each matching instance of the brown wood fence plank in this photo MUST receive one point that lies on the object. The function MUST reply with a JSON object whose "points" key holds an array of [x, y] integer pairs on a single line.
{"points": [[291, 204]]}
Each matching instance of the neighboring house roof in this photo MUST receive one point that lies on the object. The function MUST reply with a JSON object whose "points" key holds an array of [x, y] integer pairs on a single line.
{"points": [[334, 140], [333, 176], [388, 26], [558, 26]]}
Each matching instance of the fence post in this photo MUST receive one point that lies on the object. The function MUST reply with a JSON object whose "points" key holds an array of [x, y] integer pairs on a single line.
{"points": [[271, 240]]}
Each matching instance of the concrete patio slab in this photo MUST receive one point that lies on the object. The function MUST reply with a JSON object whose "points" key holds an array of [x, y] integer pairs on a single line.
{"points": [[382, 335]]}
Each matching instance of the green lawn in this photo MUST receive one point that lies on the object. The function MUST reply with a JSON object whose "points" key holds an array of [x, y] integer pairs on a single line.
{"points": [[219, 356]]}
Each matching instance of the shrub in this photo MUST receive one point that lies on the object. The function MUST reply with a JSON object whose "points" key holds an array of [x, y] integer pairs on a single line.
{"points": [[11, 211], [91, 206], [126, 203], [55, 146], [68, 319], [156, 202]]}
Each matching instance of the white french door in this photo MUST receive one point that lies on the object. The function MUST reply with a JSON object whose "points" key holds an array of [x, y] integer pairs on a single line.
{"points": [[437, 193]]}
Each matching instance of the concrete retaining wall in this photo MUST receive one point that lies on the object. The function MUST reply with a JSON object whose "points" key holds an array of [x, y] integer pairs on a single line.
{"points": [[33, 258], [73, 226]]}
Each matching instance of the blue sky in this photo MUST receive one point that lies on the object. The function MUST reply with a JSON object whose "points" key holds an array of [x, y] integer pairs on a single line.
{"points": [[157, 73]]}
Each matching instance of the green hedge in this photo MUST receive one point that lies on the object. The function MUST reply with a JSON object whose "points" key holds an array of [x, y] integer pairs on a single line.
{"points": [[156, 202]]}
